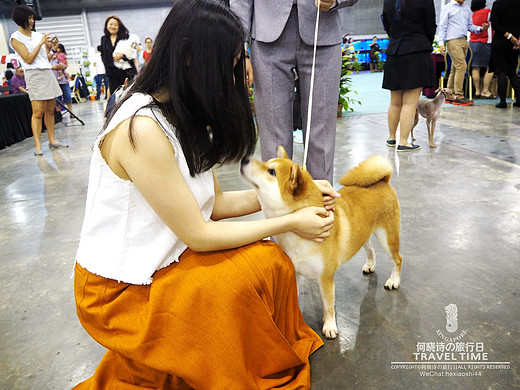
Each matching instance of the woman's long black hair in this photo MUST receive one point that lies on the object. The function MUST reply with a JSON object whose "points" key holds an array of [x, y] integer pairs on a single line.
{"points": [[193, 63]]}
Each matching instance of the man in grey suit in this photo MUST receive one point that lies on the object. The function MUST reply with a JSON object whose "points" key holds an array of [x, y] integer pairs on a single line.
{"points": [[282, 38]]}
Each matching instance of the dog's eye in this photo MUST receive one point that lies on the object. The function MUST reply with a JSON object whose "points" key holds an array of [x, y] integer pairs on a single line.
{"points": [[272, 172]]}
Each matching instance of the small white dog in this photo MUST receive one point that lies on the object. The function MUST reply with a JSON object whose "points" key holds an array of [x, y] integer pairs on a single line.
{"points": [[127, 47]]}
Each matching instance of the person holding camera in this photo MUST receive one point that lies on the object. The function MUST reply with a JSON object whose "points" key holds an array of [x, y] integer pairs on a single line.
{"points": [[33, 48]]}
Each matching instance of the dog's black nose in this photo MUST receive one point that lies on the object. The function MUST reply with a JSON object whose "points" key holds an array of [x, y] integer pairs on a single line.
{"points": [[244, 161]]}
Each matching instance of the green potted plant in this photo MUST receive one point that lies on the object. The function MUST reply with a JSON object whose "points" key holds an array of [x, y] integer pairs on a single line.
{"points": [[345, 88], [379, 63], [356, 65], [252, 101]]}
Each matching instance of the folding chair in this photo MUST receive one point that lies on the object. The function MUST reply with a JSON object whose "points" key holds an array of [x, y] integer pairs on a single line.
{"points": [[509, 82], [469, 79], [75, 93]]}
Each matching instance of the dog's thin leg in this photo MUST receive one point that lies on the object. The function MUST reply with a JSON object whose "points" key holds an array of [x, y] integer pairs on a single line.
{"points": [[370, 265], [388, 238], [428, 126], [327, 290], [431, 130]]}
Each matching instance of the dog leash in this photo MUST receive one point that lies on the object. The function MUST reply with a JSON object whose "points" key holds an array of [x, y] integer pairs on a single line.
{"points": [[311, 90]]}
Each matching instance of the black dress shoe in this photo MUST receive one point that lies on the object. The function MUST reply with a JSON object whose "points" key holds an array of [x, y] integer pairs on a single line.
{"points": [[501, 105]]}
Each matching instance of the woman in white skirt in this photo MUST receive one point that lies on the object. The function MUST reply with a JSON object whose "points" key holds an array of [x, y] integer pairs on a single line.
{"points": [[33, 49]]}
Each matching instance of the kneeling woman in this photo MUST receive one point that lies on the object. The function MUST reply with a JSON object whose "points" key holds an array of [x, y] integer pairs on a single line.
{"points": [[178, 300]]}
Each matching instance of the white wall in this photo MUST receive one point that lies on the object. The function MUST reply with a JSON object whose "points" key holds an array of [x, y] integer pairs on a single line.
{"points": [[144, 22]]}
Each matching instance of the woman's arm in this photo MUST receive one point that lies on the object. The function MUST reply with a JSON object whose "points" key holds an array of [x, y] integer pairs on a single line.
{"points": [[430, 25], [152, 167], [48, 47], [233, 204], [495, 19], [106, 52], [22, 51]]}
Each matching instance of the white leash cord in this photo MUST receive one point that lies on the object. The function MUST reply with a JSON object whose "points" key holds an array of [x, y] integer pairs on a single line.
{"points": [[311, 90]]}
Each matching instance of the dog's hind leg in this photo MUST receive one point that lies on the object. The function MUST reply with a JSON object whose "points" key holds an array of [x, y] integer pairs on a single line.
{"points": [[327, 290], [370, 265], [388, 238]]}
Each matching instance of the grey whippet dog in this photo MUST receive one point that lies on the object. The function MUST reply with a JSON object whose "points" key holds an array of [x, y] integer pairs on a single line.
{"points": [[430, 110]]}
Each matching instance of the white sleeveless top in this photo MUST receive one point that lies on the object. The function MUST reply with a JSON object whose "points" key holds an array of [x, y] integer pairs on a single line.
{"points": [[122, 237], [41, 61]]}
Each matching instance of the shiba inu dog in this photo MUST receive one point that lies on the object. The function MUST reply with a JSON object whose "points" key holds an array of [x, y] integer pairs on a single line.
{"points": [[368, 204]]}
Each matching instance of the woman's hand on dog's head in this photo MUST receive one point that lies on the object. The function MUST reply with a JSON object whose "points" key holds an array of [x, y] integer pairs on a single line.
{"points": [[313, 223], [329, 194]]}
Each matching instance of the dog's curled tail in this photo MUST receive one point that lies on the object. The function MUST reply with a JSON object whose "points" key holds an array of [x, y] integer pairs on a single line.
{"points": [[369, 172]]}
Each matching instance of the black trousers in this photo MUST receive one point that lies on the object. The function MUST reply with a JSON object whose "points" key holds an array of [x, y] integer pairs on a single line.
{"points": [[117, 77]]}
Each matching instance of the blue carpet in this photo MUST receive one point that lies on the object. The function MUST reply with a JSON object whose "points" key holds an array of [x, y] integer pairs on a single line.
{"points": [[375, 100]]}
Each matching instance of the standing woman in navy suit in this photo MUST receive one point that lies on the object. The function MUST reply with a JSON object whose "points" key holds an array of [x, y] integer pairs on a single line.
{"points": [[409, 67]]}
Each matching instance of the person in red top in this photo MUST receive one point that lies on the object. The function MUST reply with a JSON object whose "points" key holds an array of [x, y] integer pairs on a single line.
{"points": [[480, 44], [148, 51]]}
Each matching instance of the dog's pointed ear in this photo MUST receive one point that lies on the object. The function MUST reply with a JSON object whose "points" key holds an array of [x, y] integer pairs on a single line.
{"points": [[281, 152], [296, 182]]}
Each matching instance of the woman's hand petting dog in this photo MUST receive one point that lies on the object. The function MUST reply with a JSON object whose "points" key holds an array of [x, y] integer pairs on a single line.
{"points": [[329, 194], [313, 223]]}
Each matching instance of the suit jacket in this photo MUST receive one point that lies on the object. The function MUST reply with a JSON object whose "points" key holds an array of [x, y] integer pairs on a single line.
{"points": [[264, 20], [414, 32], [505, 17]]}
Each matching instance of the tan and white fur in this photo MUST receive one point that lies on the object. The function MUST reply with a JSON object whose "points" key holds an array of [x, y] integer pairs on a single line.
{"points": [[368, 204], [430, 110]]}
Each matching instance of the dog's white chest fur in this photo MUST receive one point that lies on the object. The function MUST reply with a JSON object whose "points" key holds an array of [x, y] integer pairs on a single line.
{"points": [[304, 254]]}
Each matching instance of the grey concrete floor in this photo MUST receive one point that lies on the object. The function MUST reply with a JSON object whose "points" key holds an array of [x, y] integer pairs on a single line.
{"points": [[460, 244]]}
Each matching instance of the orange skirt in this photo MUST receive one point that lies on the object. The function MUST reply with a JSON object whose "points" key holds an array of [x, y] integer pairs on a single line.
{"points": [[219, 320]]}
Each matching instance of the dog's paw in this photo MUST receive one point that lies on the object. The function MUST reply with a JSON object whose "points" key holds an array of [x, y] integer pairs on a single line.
{"points": [[368, 269], [330, 330], [392, 283]]}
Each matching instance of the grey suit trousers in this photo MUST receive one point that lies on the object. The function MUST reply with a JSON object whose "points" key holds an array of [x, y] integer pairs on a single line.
{"points": [[274, 92]]}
